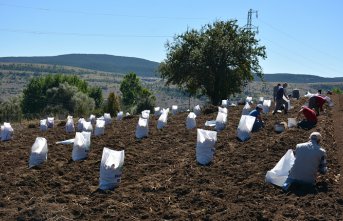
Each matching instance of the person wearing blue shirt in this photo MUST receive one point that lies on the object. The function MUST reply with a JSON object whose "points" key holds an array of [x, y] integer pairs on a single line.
{"points": [[258, 124]]}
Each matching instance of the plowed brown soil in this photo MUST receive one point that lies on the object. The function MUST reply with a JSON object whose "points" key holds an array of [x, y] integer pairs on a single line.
{"points": [[161, 179]]}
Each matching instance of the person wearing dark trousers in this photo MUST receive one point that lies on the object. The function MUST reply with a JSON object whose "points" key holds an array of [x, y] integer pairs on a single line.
{"points": [[310, 120], [316, 102], [280, 101]]}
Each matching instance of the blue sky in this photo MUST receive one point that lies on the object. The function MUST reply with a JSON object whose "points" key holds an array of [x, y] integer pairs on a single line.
{"points": [[301, 36]]}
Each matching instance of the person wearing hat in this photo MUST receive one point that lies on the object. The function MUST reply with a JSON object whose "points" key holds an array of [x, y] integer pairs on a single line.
{"points": [[258, 124], [280, 101], [310, 118], [310, 158]]}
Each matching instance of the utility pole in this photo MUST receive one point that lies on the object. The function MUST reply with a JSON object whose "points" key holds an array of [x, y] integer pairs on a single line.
{"points": [[249, 25]]}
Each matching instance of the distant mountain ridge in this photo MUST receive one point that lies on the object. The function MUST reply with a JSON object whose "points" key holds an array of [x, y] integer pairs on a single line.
{"points": [[98, 62], [142, 67]]}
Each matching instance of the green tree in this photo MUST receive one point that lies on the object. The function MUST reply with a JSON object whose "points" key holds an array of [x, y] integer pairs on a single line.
{"points": [[218, 60], [146, 101], [113, 104]]}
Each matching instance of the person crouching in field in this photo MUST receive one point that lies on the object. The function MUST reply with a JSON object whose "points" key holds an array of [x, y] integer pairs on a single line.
{"points": [[317, 102], [310, 158], [310, 120], [258, 124]]}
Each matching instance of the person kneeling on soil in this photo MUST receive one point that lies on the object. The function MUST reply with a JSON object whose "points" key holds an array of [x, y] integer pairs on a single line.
{"points": [[310, 118], [258, 121], [310, 158]]}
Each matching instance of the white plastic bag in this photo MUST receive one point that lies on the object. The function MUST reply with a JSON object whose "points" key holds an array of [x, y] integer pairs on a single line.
{"points": [[224, 103], [245, 126], [70, 125], [190, 121], [197, 110], [39, 152], [51, 122], [205, 148], [174, 109], [142, 128], [43, 125], [80, 124], [279, 173], [146, 114], [87, 126], [260, 100], [120, 115], [221, 121], [292, 122], [162, 120], [108, 118], [111, 168], [157, 111], [99, 128], [6, 132], [92, 119], [266, 105], [81, 146], [246, 109], [248, 99], [66, 142]]}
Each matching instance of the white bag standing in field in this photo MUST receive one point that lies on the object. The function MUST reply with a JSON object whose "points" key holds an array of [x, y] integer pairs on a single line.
{"points": [[108, 118], [266, 105], [221, 119], [80, 124], [81, 145], [245, 126], [127, 114], [111, 168], [248, 99], [142, 128], [92, 119], [70, 125], [205, 148], [190, 121], [120, 115], [157, 111], [99, 128], [292, 122], [246, 109], [6, 132], [39, 152], [197, 110], [87, 126], [51, 122], [174, 109], [162, 120], [279, 173], [224, 103], [43, 125]]}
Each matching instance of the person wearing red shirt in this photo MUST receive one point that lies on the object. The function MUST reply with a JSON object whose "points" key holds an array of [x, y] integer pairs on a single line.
{"points": [[316, 102], [310, 118]]}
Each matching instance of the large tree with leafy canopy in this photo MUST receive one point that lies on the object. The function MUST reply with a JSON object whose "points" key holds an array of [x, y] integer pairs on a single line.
{"points": [[218, 60]]}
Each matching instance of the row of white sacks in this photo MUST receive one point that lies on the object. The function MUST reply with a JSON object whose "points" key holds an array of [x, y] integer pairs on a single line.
{"points": [[111, 166]]}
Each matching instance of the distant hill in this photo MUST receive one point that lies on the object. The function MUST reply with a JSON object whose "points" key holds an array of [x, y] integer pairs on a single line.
{"points": [[98, 62], [298, 78]]}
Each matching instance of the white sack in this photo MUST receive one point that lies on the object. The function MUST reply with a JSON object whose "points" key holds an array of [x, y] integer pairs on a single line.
{"points": [[6, 132], [108, 119], [39, 152], [246, 109], [43, 125], [99, 128], [330, 102], [205, 148], [292, 122], [51, 122], [221, 121], [142, 128], [210, 123], [224, 103], [87, 126], [279, 173], [111, 168], [70, 125], [190, 121], [260, 100], [266, 105], [92, 119], [127, 114], [197, 110], [70, 141], [162, 120], [248, 99], [222, 110], [81, 145], [245, 126], [157, 111], [120, 115], [80, 124], [174, 109]]}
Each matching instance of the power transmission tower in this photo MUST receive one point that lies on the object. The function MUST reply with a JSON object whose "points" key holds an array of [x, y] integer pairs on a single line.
{"points": [[249, 25]]}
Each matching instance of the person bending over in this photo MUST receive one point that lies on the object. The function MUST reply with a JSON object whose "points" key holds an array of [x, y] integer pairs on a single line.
{"points": [[310, 118], [258, 124]]}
